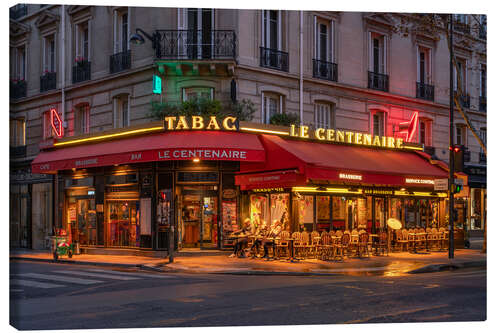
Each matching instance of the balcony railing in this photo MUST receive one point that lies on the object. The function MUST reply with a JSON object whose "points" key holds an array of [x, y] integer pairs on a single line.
{"points": [[461, 27], [18, 11], [195, 44], [482, 157], [18, 89], [17, 151], [81, 71], [119, 62], [325, 70], [273, 59], [48, 81], [378, 81], [482, 103], [425, 91], [465, 101]]}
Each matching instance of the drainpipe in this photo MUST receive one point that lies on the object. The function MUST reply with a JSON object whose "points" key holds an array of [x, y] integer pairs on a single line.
{"points": [[63, 65], [301, 103]]}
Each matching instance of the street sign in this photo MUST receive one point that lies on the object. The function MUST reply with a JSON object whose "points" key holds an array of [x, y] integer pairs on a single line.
{"points": [[56, 123], [459, 181], [156, 84], [441, 184]]}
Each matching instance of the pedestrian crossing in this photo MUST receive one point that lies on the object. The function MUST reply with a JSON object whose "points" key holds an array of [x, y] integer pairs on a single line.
{"points": [[85, 277]]}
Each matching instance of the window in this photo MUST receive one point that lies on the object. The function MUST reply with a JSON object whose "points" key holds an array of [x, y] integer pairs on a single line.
{"points": [[272, 104], [82, 119], [271, 29], [424, 65], [17, 132], [48, 132], [82, 41], [482, 26], [323, 115], [482, 135], [121, 30], [323, 35], [462, 71], [18, 69], [378, 53], [197, 93], [461, 135], [378, 123], [425, 132], [49, 54], [121, 111], [482, 82]]}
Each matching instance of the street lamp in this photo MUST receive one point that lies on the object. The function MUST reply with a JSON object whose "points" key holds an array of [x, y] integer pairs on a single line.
{"points": [[137, 37]]}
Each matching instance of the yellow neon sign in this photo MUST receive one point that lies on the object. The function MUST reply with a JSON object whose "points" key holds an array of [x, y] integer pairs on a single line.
{"points": [[259, 130], [199, 123], [107, 136]]}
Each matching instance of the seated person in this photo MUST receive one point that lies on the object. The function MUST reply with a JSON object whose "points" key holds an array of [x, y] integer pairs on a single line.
{"points": [[259, 234], [241, 241], [269, 240]]}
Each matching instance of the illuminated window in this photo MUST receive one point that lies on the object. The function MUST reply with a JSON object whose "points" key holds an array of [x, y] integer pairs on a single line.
{"points": [[378, 123], [189, 94], [324, 116], [17, 132], [121, 111], [425, 132], [461, 135], [272, 104]]}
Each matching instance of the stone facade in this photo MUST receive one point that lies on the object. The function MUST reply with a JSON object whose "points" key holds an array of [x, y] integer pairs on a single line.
{"points": [[97, 33]]}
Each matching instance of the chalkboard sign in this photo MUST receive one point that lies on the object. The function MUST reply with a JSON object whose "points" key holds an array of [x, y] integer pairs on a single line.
{"points": [[197, 177]]}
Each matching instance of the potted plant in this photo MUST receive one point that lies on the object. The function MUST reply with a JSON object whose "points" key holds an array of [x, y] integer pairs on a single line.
{"points": [[80, 61]]}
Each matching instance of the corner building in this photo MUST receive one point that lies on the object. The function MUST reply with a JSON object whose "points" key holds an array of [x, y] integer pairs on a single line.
{"points": [[351, 73]]}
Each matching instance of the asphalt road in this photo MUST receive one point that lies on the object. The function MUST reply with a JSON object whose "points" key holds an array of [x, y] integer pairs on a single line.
{"points": [[58, 296]]}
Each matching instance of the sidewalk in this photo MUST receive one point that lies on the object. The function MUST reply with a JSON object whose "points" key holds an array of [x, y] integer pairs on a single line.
{"points": [[218, 262]]}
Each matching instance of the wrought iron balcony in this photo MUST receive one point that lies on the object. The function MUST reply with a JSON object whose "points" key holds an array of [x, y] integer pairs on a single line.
{"points": [[378, 81], [482, 103], [325, 70], [425, 91], [18, 89], [18, 11], [482, 157], [465, 101], [194, 44], [81, 71], [17, 151], [273, 59], [119, 62], [48, 81]]}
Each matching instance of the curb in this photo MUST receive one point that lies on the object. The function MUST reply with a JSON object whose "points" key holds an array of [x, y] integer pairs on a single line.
{"points": [[448, 267], [147, 267]]}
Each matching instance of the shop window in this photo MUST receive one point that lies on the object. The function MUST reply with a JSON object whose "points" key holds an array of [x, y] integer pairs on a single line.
{"points": [[324, 116], [82, 220], [121, 111], [121, 179], [279, 209], [265, 208], [378, 123], [82, 119], [306, 213], [17, 132], [194, 93], [123, 218], [272, 104]]}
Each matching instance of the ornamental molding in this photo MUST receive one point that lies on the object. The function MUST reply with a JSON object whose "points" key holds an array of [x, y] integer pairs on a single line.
{"points": [[18, 29], [46, 18]]}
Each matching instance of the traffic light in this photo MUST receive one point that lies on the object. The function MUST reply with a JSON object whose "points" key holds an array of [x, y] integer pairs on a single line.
{"points": [[457, 188], [458, 157]]}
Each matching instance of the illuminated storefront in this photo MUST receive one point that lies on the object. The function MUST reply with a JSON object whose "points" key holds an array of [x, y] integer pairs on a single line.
{"points": [[126, 189]]}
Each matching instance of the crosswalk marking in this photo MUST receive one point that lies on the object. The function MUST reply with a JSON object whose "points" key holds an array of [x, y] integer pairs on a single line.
{"points": [[158, 276], [60, 278], [28, 283], [99, 275]]}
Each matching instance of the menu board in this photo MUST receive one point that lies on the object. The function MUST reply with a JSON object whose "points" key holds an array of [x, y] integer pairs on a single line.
{"points": [[229, 222], [362, 213]]}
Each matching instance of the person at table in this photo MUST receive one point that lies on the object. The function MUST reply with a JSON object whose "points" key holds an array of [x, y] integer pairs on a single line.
{"points": [[271, 235], [241, 241], [259, 233]]}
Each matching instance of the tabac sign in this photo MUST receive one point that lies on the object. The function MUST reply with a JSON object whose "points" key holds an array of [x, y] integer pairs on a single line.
{"points": [[201, 123], [331, 135]]}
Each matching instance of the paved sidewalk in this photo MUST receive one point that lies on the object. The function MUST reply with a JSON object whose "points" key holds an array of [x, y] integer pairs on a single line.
{"points": [[397, 263]]}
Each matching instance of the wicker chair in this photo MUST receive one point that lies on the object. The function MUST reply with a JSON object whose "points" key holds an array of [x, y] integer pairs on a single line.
{"points": [[343, 246], [354, 241], [315, 240], [325, 247], [282, 245], [304, 244], [382, 243], [363, 244], [296, 243], [404, 239]]}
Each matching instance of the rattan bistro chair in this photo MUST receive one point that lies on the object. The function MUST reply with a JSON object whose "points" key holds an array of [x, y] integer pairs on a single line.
{"points": [[296, 244], [325, 247], [342, 247], [381, 246], [363, 244], [315, 241], [282, 245]]}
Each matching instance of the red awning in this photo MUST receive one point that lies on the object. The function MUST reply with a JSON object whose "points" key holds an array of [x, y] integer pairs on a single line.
{"points": [[205, 145], [344, 164]]}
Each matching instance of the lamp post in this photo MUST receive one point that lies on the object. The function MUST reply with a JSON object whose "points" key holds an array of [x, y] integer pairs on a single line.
{"points": [[452, 153]]}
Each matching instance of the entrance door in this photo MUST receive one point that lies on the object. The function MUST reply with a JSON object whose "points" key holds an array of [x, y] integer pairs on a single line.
{"points": [[199, 217]]}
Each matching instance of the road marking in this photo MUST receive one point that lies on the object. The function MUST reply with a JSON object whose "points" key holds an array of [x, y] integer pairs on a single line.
{"points": [[28, 283], [60, 278], [158, 276], [106, 276]]}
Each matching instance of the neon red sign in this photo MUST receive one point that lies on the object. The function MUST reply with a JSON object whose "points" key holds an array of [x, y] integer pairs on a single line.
{"points": [[409, 127], [56, 123]]}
